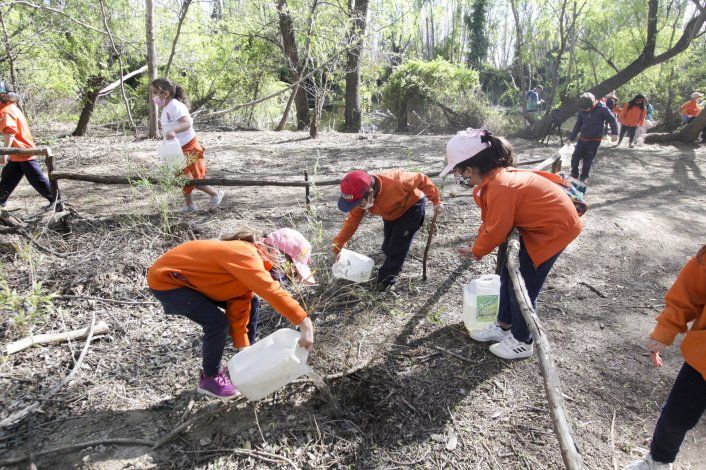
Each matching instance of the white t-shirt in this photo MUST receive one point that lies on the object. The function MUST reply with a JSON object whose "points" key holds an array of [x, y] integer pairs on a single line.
{"points": [[172, 112]]}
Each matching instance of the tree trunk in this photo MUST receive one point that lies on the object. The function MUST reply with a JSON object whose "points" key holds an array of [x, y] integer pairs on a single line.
{"points": [[90, 95], [352, 112], [8, 48], [686, 134], [644, 61], [285, 114], [151, 67], [291, 55], [518, 52], [182, 16]]}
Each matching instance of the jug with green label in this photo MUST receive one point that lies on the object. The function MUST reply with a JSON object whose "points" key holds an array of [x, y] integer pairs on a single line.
{"points": [[481, 299]]}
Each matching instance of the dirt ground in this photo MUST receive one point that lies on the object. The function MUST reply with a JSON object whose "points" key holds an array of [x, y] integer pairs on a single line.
{"points": [[405, 401]]}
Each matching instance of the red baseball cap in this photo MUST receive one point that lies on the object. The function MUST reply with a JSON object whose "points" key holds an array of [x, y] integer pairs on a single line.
{"points": [[354, 186]]}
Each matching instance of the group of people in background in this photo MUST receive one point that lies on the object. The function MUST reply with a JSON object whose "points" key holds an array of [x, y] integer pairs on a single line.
{"points": [[220, 284]]}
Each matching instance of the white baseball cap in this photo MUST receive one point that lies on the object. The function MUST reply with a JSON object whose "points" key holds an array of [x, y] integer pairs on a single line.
{"points": [[463, 146], [696, 94]]}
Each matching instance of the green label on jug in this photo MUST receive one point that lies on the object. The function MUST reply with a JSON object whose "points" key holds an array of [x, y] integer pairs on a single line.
{"points": [[487, 307]]}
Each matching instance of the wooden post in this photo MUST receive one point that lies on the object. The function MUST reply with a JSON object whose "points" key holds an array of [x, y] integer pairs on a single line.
{"points": [[432, 229], [306, 188], [53, 183], [552, 385]]}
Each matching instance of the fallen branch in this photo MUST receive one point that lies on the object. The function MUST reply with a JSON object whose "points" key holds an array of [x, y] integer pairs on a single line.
{"points": [[20, 415], [457, 356], [102, 299], [258, 454], [117, 83], [122, 441], [552, 385], [51, 338]]}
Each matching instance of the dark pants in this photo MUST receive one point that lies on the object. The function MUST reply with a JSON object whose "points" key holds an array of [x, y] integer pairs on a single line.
{"points": [[509, 311], [630, 130], [399, 235], [13, 172], [206, 312], [685, 406], [584, 152]]}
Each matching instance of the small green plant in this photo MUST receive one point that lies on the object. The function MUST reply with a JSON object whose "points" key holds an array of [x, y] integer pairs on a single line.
{"points": [[26, 309]]}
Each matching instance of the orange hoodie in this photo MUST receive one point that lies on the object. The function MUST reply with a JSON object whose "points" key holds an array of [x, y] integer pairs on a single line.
{"points": [[690, 108], [399, 190], [225, 271], [686, 302], [633, 117], [13, 122], [540, 208]]}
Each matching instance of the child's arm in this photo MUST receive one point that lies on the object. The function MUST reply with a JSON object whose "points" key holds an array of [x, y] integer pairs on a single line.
{"points": [[575, 132], [350, 225], [183, 126], [612, 122]]}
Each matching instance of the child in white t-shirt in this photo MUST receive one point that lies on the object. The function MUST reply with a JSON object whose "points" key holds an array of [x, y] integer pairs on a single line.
{"points": [[177, 124]]}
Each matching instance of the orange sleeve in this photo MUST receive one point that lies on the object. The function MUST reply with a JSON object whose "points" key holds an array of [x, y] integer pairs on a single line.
{"points": [[425, 185], [350, 225], [8, 125], [250, 271], [498, 222], [684, 301]]}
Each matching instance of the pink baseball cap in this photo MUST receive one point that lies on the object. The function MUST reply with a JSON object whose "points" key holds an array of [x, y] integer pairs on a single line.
{"points": [[463, 146], [292, 243]]}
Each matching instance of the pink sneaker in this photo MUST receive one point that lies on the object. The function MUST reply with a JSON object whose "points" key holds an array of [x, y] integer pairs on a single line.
{"points": [[218, 386]]}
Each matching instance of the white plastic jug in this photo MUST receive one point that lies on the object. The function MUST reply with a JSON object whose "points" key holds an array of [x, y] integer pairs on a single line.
{"points": [[169, 154], [566, 152], [269, 364], [353, 266], [481, 299]]}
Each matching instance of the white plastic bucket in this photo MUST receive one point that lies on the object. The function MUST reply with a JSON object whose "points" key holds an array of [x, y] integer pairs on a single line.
{"points": [[169, 154], [481, 299], [352, 266], [269, 364]]}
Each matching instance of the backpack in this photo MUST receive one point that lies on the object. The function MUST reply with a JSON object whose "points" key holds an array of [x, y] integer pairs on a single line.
{"points": [[575, 189]]}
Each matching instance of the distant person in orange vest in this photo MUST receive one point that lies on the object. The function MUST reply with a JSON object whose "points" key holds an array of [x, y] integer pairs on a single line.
{"points": [[542, 211], [200, 277], [632, 116], [177, 124], [15, 131], [685, 304], [691, 109]]}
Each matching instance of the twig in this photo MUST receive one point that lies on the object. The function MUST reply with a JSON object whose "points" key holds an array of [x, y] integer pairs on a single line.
{"points": [[257, 422], [593, 289], [101, 299], [258, 454], [19, 415], [60, 450], [457, 356], [432, 229], [51, 338]]}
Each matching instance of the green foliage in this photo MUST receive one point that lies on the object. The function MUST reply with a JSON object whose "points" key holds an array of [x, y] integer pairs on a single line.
{"points": [[477, 31], [28, 308]]}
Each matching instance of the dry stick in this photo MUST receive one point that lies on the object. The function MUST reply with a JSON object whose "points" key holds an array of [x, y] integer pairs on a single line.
{"points": [[60, 450], [258, 454], [552, 385], [125, 78], [182, 16], [457, 356], [51, 338], [612, 442], [101, 299], [19, 415], [432, 229]]}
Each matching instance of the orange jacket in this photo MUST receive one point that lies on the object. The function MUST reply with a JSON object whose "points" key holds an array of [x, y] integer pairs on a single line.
{"points": [[540, 208], [13, 122], [633, 117], [399, 190], [226, 271], [686, 302], [690, 108]]}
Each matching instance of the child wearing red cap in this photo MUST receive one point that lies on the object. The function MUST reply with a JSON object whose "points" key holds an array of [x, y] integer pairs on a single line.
{"points": [[539, 208], [399, 197], [198, 278]]}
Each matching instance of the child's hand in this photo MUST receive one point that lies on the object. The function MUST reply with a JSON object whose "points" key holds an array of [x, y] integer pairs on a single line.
{"points": [[170, 135], [306, 340], [467, 252], [655, 347], [439, 210]]}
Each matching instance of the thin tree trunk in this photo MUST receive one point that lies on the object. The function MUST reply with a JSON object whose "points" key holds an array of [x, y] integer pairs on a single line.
{"points": [[182, 16], [122, 70], [90, 95], [151, 66], [285, 115], [518, 50], [291, 54], [352, 112], [8, 48]]}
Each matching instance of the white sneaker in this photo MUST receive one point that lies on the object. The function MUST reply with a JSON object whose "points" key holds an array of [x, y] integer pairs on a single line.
{"points": [[491, 332], [647, 463], [510, 348], [216, 200], [187, 208]]}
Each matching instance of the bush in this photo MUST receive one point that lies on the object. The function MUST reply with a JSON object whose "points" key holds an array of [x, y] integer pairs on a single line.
{"points": [[435, 96]]}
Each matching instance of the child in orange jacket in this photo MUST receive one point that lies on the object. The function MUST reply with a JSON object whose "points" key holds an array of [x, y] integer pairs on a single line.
{"points": [[632, 116], [539, 208], [399, 197], [15, 130], [177, 124], [685, 303], [691, 108], [198, 278]]}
